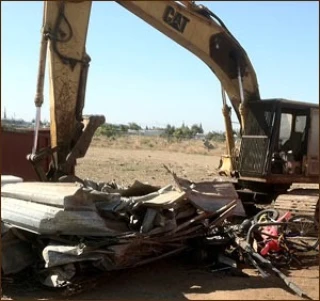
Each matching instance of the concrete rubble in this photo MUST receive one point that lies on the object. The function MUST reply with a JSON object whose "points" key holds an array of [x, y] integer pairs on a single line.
{"points": [[62, 229]]}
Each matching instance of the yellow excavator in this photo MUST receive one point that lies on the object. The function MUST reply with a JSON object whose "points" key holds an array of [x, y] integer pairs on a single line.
{"points": [[279, 138]]}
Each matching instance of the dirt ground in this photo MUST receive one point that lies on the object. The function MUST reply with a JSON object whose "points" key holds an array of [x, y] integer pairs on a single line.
{"points": [[173, 278], [125, 166]]}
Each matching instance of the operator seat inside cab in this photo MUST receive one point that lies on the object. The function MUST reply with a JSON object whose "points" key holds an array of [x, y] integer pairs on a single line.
{"points": [[294, 144]]}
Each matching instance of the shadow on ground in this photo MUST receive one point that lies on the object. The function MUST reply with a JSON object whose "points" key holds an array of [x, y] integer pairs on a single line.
{"points": [[167, 279]]}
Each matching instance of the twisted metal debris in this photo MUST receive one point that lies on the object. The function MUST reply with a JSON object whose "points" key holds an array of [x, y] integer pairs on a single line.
{"points": [[64, 229]]}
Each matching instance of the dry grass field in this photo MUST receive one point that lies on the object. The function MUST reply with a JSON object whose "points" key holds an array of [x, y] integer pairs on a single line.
{"points": [[157, 143], [126, 159]]}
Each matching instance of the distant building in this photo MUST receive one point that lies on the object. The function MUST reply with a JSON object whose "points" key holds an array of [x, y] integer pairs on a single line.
{"points": [[199, 136], [15, 123], [153, 132], [20, 123], [148, 133], [133, 132]]}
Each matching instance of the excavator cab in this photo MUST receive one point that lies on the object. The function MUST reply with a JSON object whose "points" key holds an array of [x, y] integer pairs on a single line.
{"points": [[280, 144]]}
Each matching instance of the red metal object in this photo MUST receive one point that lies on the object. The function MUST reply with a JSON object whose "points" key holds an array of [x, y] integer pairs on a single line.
{"points": [[273, 244], [16, 144]]}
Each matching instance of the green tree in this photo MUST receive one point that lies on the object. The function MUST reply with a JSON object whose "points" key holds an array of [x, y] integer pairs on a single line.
{"points": [[196, 129], [168, 131], [186, 132], [108, 130], [123, 128], [215, 136], [134, 126], [178, 134]]}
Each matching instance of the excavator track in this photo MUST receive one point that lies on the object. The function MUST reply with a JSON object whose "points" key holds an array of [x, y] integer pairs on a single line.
{"points": [[299, 202]]}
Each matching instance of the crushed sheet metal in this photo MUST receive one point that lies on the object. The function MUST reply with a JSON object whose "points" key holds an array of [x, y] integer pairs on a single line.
{"points": [[210, 196], [63, 195], [60, 276], [185, 212], [57, 255], [49, 220], [112, 209], [211, 202], [120, 231], [138, 189], [220, 188], [165, 197], [113, 228], [148, 220]]}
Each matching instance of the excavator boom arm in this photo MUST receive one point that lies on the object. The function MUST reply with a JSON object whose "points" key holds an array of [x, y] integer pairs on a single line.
{"points": [[65, 26], [192, 26]]}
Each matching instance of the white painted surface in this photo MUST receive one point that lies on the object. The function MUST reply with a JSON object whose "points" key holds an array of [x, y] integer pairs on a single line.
{"points": [[8, 179]]}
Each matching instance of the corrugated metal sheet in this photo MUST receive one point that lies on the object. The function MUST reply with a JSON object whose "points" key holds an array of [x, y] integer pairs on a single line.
{"points": [[63, 195], [48, 220]]}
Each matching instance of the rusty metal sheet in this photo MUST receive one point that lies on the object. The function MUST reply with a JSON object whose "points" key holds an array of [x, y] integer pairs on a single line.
{"points": [[212, 195], [224, 189], [212, 202]]}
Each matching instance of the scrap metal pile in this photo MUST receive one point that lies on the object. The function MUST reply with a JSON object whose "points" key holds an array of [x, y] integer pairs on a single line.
{"points": [[66, 228]]}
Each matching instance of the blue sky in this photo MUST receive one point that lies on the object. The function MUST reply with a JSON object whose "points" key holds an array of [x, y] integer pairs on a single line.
{"points": [[138, 74]]}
